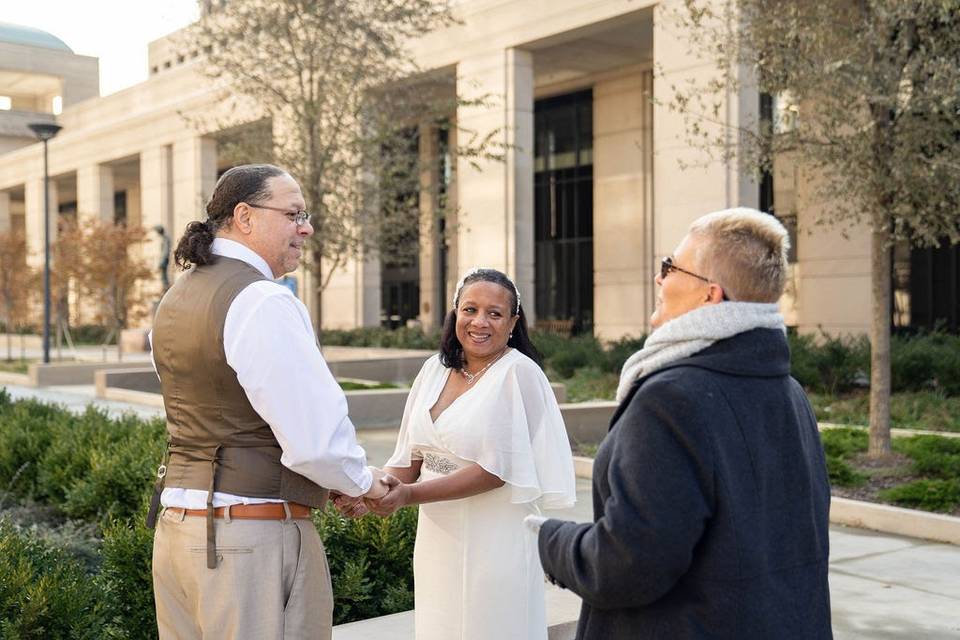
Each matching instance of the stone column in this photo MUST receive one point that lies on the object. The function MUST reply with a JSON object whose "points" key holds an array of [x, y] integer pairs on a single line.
{"points": [[156, 203], [496, 202], [352, 297], [4, 212], [33, 196], [194, 176], [623, 255], [686, 189], [134, 204], [95, 194], [431, 280]]}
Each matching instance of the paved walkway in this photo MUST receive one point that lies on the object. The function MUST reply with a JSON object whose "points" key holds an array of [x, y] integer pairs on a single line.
{"points": [[883, 587]]}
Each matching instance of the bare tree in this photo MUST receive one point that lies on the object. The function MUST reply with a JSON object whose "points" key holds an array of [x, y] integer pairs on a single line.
{"points": [[66, 266], [874, 99], [334, 92], [111, 275], [17, 283]]}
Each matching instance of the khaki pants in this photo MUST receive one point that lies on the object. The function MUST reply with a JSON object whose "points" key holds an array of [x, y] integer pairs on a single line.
{"points": [[271, 580]]}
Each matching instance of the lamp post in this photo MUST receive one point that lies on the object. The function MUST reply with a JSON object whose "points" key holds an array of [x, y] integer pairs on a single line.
{"points": [[44, 132]]}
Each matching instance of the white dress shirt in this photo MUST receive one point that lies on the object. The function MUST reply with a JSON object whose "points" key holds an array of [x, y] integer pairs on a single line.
{"points": [[269, 341]]}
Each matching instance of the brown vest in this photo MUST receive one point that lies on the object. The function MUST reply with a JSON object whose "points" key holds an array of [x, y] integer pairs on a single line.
{"points": [[216, 439]]}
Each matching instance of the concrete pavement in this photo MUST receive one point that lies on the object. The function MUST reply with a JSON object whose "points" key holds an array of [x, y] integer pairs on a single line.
{"points": [[882, 587]]}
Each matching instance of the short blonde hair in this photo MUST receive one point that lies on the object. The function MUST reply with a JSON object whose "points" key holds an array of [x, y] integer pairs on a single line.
{"points": [[745, 253]]}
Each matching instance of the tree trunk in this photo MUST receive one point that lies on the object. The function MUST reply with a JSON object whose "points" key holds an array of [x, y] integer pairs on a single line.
{"points": [[317, 266], [881, 256]]}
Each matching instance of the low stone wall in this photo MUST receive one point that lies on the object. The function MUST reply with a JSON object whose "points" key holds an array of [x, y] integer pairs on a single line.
{"points": [[376, 408], [397, 370], [587, 422], [65, 373], [143, 379], [368, 408]]}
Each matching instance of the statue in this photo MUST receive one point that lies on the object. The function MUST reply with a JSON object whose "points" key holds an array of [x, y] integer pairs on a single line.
{"points": [[163, 264]]}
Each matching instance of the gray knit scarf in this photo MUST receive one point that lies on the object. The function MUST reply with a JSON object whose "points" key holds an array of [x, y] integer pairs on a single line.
{"points": [[694, 331]]}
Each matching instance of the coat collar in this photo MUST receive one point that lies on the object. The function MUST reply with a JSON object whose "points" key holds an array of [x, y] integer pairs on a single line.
{"points": [[759, 353]]}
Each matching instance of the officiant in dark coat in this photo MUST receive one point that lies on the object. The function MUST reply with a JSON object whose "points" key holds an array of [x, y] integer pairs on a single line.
{"points": [[710, 492]]}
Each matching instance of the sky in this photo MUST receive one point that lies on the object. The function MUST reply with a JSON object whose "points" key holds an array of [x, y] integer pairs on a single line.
{"points": [[116, 31]]}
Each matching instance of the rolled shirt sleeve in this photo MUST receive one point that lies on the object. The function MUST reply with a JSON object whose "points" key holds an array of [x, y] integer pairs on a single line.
{"points": [[269, 341]]}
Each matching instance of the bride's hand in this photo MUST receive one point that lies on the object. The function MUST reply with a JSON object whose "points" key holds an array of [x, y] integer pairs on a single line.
{"points": [[398, 496]]}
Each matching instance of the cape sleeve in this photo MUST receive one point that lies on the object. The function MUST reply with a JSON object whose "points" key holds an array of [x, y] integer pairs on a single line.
{"points": [[406, 450], [516, 432]]}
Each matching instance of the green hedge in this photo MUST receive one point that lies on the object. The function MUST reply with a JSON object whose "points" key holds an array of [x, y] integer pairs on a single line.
{"points": [[824, 364], [90, 467], [44, 591], [934, 466], [402, 338], [79, 486]]}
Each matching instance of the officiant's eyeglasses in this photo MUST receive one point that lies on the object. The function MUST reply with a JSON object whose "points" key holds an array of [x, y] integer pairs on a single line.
{"points": [[667, 267], [299, 218]]}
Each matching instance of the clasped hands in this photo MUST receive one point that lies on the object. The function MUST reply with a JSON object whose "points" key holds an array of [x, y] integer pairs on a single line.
{"points": [[386, 495]]}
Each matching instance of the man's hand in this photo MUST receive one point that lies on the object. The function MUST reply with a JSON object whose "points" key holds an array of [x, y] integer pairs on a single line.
{"points": [[348, 506], [398, 496], [378, 488]]}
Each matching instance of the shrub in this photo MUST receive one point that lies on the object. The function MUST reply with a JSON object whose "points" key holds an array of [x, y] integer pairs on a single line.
{"points": [[90, 466], [926, 361], [842, 474], [929, 495], [563, 356], [125, 581], [44, 592], [370, 562], [589, 383], [843, 443], [92, 334], [828, 364], [619, 350], [932, 455], [402, 338], [26, 434]]}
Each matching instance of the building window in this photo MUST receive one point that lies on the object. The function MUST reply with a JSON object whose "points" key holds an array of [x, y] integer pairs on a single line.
{"points": [[563, 211], [767, 196], [445, 178], [6, 103], [926, 288], [56, 105], [120, 207], [400, 231]]}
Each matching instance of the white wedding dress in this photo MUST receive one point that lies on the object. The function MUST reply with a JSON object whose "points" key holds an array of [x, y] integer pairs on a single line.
{"points": [[477, 574]]}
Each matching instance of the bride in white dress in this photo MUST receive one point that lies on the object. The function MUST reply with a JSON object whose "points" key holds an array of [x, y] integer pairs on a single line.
{"points": [[481, 445]]}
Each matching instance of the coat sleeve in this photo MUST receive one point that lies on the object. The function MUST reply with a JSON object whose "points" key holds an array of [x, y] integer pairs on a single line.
{"points": [[660, 482]]}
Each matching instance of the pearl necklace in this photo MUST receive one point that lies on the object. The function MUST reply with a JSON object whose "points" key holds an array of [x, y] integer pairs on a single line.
{"points": [[472, 377]]}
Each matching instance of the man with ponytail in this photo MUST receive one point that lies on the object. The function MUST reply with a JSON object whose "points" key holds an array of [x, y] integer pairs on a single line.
{"points": [[258, 432]]}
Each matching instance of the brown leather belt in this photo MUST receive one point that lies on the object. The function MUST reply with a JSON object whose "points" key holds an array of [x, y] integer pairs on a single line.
{"points": [[263, 511]]}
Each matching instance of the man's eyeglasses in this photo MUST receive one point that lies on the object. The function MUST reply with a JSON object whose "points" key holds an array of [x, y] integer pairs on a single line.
{"points": [[667, 267], [299, 218]]}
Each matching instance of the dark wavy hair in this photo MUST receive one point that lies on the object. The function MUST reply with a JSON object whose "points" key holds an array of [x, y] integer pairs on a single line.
{"points": [[244, 183], [451, 351]]}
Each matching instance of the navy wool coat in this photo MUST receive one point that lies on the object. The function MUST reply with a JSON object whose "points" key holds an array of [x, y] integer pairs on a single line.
{"points": [[711, 506]]}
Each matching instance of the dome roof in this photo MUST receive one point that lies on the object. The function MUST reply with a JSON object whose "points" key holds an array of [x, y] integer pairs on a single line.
{"points": [[30, 37]]}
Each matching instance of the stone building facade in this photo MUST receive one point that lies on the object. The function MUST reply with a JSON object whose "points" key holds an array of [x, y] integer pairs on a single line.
{"points": [[591, 194]]}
